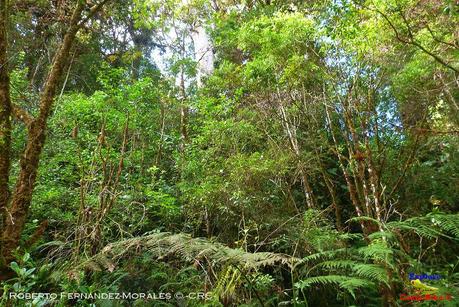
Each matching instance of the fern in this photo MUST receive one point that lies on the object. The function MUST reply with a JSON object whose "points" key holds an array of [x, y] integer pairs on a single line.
{"points": [[431, 226], [373, 272], [378, 250], [376, 263], [368, 271], [323, 255], [187, 249], [447, 222], [337, 264], [347, 283], [227, 283]]}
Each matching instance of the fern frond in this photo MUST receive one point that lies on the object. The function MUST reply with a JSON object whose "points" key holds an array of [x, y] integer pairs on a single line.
{"points": [[186, 248], [324, 255], [228, 281], [431, 226], [447, 222], [371, 271], [377, 251], [347, 283], [337, 264]]}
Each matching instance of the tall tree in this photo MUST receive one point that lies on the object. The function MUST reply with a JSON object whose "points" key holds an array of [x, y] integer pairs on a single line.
{"points": [[16, 206], [5, 111]]}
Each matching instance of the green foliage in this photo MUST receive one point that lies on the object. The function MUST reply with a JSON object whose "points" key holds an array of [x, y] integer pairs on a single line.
{"points": [[29, 279], [161, 245], [317, 165]]}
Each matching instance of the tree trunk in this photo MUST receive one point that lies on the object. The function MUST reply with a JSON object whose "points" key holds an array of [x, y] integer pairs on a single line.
{"points": [[292, 136], [14, 221], [5, 121], [183, 113]]}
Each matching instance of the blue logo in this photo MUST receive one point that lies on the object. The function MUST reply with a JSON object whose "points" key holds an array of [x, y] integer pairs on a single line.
{"points": [[413, 276]]}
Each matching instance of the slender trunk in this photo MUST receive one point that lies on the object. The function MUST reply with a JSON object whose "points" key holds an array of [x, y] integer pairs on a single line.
{"points": [[291, 133], [22, 195], [5, 122], [183, 113], [352, 191], [5, 112], [331, 190], [374, 185], [161, 136], [307, 189], [183, 125]]}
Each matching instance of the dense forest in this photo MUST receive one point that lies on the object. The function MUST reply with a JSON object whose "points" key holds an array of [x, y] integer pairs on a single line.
{"points": [[229, 153]]}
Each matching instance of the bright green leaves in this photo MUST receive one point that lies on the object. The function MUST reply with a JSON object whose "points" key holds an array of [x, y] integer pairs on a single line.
{"points": [[279, 48], [279, 35], [89, 113]]}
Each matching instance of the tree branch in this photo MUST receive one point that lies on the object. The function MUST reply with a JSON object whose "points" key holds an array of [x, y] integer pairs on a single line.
{"points": [[438, 40], [92, 11], [22, 115], [411, 40]]}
